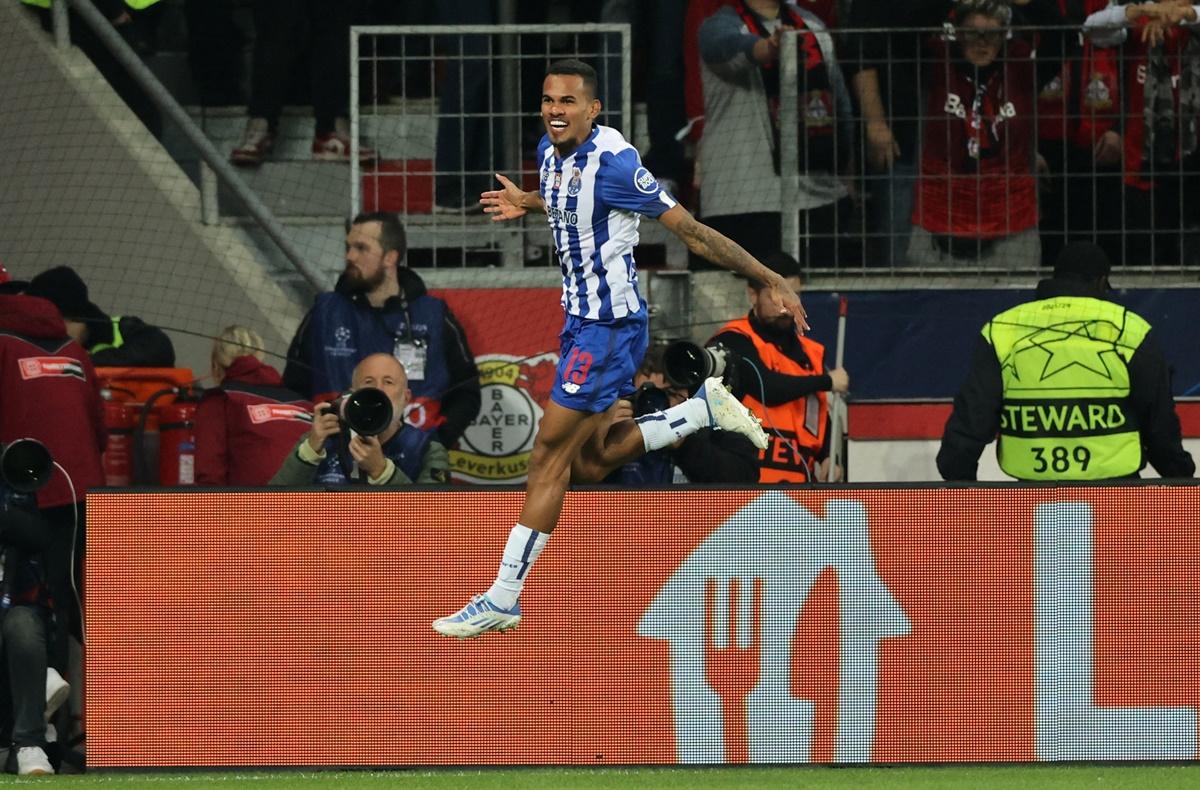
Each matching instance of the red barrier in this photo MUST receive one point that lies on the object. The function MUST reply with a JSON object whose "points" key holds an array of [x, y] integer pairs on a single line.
{"points": [[925, 624]]}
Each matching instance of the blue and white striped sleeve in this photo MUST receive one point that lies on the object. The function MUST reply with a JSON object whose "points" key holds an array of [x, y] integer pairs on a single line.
{"points": [[626, 184]]}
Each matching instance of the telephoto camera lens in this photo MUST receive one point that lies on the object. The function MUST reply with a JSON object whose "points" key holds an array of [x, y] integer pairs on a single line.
{"points": [[25, 465], [687, 365], [366, 411]]}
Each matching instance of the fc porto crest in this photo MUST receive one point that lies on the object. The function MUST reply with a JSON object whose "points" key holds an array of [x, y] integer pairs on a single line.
{"points": [[576, 182]]}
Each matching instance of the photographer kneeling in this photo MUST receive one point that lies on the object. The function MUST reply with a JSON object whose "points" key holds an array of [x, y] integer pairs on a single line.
{"points": [[707, 456], [357, 438]]}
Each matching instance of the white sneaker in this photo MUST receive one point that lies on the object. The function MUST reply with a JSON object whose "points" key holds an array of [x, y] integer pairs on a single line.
{"points": [[479, 616], [57, 691], [726, 413], [31, 761]]}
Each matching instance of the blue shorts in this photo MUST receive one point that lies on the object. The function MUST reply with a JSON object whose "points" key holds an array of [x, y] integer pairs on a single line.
{"points": [[598, 359]]}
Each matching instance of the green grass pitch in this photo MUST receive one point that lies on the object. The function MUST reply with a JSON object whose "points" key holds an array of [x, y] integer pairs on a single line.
{"points": [[1019, 777]]}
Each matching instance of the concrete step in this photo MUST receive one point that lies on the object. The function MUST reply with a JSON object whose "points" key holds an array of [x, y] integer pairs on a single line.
{"points": [[394, 132]]}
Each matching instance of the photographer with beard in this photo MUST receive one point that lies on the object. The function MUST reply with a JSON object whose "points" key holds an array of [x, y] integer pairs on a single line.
{"points": [[783, 380], [379, 305], [332, 454]]}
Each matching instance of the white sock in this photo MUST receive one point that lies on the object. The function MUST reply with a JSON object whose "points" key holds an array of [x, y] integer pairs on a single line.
{"points": [[664, 428], [523, 547]]}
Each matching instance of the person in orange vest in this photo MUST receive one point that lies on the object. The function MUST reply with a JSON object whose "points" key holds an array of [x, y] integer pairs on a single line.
{"points": [[782, 378]]}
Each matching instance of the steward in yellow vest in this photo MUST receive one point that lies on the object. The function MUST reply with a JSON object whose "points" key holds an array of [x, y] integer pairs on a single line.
{"points": [[1074, 386], [782, 379]]}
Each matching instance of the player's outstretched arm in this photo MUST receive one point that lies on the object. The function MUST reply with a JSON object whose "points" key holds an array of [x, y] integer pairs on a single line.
{"points": [[728, 254], [510, 202]]}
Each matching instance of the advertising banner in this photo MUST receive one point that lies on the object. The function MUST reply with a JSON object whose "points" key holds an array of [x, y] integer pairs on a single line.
{"points": [[666, 626], [513, 333]]}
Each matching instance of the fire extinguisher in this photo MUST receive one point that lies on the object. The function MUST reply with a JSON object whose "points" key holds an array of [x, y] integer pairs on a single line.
{"points": [[177, 441], [119, 421]]}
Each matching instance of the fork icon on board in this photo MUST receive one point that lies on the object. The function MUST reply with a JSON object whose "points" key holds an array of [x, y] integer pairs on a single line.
{"points": [[730, 670]]}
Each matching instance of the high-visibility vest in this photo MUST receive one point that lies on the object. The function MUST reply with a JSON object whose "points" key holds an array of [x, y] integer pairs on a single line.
{"points": [[136, 5], [796, 429], [117, 339], [1064, 366]]}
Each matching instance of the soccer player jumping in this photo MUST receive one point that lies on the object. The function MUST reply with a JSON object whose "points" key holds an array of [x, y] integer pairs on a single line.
{"points": [[593, 189]]}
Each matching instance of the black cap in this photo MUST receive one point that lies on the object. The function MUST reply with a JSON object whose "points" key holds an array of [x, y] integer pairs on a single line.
{"points": [[67, 290], [1081, 260], [782, 264]]}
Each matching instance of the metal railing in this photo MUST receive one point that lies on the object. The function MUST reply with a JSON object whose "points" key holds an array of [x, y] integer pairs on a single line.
{"points": [[216, 167], [481, 111]]}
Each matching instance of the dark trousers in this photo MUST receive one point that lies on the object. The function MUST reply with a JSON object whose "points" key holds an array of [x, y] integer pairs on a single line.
{"points": [[1161, 222], [23, 645], [285, 29], [1077, 201], [469, 149], [63, 566]]}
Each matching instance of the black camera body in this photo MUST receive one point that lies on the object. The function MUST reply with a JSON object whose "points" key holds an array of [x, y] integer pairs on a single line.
{"points": [[687, 365], [649, 399], [366, 411]]}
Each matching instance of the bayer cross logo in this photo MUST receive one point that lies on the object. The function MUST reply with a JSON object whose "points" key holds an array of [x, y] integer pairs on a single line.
{"points": [[495, 447]]}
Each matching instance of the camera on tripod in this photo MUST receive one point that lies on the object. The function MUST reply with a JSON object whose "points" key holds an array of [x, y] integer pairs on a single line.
{"points": [[366, 411], [687, 365], [25, 465]]}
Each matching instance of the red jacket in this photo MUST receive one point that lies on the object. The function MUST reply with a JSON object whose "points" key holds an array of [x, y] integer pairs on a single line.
{"points": [[247, 426], [978, 147], [1081, 103], [49, 392]]}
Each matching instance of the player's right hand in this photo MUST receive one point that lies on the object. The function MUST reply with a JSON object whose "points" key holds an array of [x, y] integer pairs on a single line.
{"points": [[503, 204]]}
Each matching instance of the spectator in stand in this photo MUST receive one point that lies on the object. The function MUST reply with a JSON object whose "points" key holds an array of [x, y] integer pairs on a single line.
{"points": [[1079, 139], [379, 305], [112, 341], [976, 198], [469, 147], [26, 610], [246, 424], [49, 392], [1162, 133], [782, 378], [283, 30], [331, 454], [123, 16], [741, 188], [657, 30], [706, 456], [886, 72]]}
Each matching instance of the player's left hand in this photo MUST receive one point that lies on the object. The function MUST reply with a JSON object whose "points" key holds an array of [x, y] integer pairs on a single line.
{"points": [[789, 300], [505, 203], [368, 453]]}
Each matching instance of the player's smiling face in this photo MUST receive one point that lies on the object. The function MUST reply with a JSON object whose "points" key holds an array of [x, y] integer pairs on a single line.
{"points": [[568, 109]]}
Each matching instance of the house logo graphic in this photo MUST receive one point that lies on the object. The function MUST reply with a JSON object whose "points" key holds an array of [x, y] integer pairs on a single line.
{"points": [[731, 693]]}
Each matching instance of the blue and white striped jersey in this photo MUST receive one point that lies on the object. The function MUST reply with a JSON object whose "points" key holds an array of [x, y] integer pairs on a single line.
{"points": [[594, 199]]}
